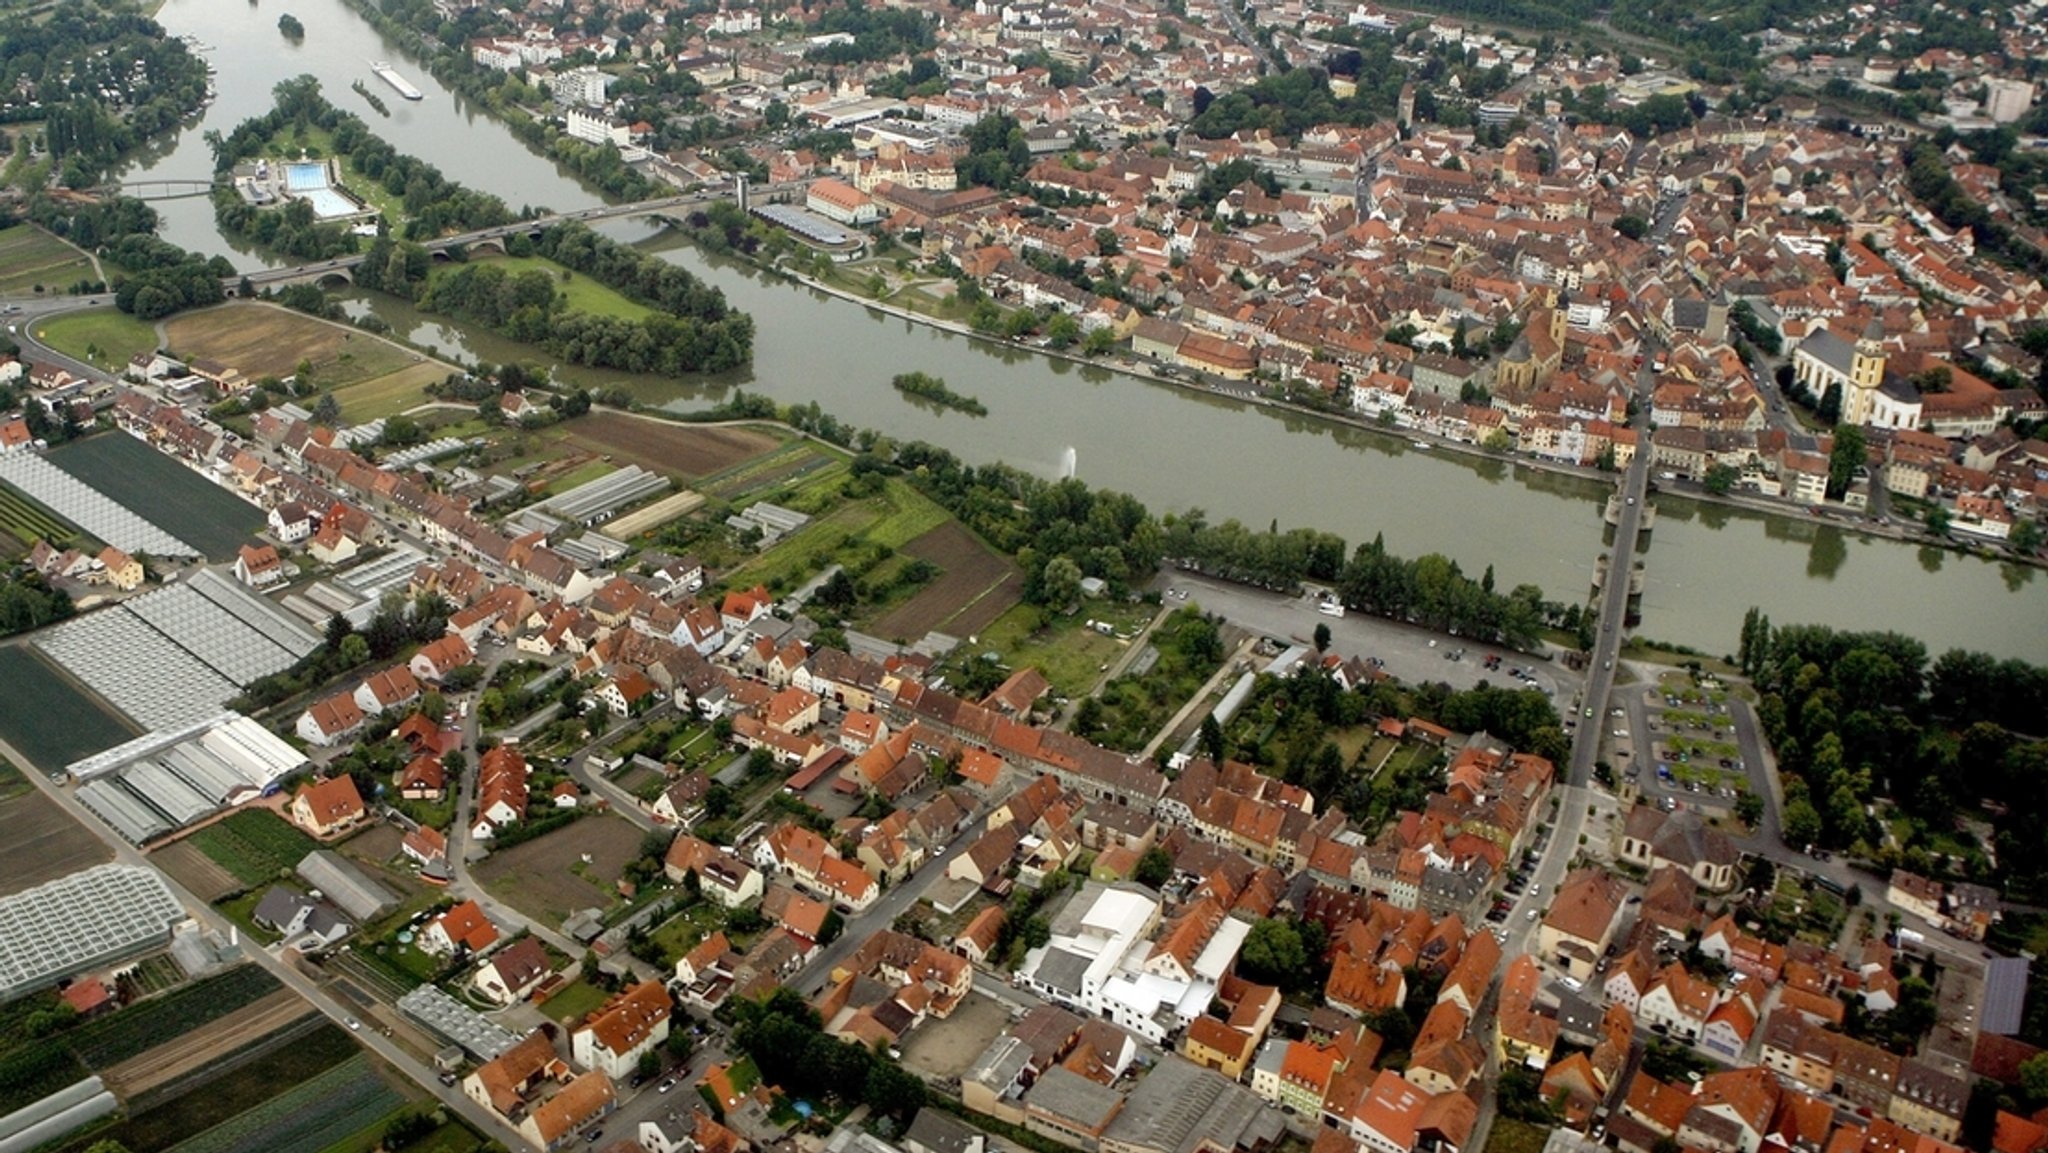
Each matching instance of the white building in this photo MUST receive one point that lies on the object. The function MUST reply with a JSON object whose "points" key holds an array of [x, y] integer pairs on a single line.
{"points": [[597, 129], [2006, 101], [584, 87], [1097, 962], [630, 1024]]}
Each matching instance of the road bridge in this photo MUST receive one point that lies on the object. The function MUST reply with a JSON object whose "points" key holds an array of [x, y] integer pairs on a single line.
{"points": [[165, 189], [342, 269]]}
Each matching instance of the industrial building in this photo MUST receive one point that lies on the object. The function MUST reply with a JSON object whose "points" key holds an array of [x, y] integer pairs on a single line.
{"points": [[89, 919], [587, 504], [167, 779], [1100, 960], [174, 656], [98, 514]]}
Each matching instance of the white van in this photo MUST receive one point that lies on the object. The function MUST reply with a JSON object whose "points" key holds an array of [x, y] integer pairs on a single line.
{"points": [[1331, 608]]}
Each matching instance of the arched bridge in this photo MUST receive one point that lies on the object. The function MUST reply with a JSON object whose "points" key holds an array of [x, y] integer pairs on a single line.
{"points": [[341, 269]]}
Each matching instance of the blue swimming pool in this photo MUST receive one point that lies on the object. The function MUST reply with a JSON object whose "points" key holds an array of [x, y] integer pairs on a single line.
{"points": [[327, 203], [304, 177]]}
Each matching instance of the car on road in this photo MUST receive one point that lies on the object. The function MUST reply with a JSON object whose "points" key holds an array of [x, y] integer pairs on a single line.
{"points": [[352, 1023], [1532, 915], [666, 1085]]}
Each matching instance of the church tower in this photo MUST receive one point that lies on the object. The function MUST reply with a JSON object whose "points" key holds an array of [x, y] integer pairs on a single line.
{"points": [[1866, 374]]}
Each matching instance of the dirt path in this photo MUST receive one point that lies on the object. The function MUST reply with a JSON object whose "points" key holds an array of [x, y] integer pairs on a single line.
{"points": [[201, 1047]]}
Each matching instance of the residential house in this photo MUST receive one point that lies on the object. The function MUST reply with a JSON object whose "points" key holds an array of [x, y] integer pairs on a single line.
{"points": [[258, 566], [438, 658], [330, 720], [325, 808], [1581, 920], [613, 1037], [513, 972], [462, 927]]}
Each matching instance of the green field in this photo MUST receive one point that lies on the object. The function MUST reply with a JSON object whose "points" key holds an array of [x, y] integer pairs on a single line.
{"points": [[140, 1028], [24, 521], [254, 844], [102, 337], [583, 293], [48, 717], [888, 520], [30, 257], [168, 494], [243, 1087], [390, 394], [306, 1118]]}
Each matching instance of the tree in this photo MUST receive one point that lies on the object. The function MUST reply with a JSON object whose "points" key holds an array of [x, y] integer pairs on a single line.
{"points": [[2034, 1079], [1844, 459], [1749, 808], [649, 1064], [354, 650], [1830, 409], [1937, 520], [1275, 953], [1322, 637], [1632, 226], [1720, 478], [1153, 868], [1059, 586], [327, 410], [1210, 738]]}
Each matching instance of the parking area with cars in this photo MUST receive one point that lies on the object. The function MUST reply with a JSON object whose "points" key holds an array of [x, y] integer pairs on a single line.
{"points": [[1679, 740]]}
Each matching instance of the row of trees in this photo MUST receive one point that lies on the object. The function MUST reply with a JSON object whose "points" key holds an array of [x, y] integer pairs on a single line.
{"points": [[157, 278], [526, 307], [28, 602]]}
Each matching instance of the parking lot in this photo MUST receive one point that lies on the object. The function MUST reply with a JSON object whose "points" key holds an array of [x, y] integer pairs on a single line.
{"points": [[1682, 744]]}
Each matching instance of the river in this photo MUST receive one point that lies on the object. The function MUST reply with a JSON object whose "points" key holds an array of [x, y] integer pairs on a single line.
{"points": [[1172, 448]]}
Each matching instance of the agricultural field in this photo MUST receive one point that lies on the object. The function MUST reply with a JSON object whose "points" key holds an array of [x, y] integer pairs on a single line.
{"points": [[976, 587], [23, 521], [546, 878], [201, 1048], [102, 337], [584, 294], [667, 447], [253, 845], [135, 1030], [794, 461], [240, 1085], [306, 1118], [266, 340], [41, 842], [47, 717], [169, 495], [189, 865], [30, 257]]}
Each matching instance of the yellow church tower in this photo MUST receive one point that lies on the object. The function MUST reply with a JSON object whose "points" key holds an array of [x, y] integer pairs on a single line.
{"points": [[1866, 375]]}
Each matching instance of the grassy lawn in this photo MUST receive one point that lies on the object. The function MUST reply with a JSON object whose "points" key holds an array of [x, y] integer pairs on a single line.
{"points": [[574, 1002], [30, 257], [387, 395], [1511, 1136], [102, 337], [583, 293], [684, 931], [889, 519], [581, 474], [1069, 653]]}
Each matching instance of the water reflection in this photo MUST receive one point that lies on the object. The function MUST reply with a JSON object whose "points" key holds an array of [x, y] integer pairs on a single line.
{"points": [[1830, 550], [1931, 558]]}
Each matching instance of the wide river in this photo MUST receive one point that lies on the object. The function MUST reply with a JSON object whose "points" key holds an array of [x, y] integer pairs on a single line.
{"points": [[1174, 449]]}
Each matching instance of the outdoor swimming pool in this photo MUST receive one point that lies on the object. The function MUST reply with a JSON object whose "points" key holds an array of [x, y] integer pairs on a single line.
{"points": [[304, 177], [327, 203]]}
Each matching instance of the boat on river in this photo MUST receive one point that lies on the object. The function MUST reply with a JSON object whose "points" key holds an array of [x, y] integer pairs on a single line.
{"points": [[390, 76]]}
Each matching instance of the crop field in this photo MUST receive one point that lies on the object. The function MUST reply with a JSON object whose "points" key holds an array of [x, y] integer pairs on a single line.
{"points": [[546, 879], [976, 587], [173, 497], [41, 842], [793, 461], [253, 845], [239, 1086], [266, 340], [390, 394], [139, 1028], [48, 717], [306, 1118], [201, 1048], [102, 337], [667, 447], [23, 521], [29, 257], [191, 867]]}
